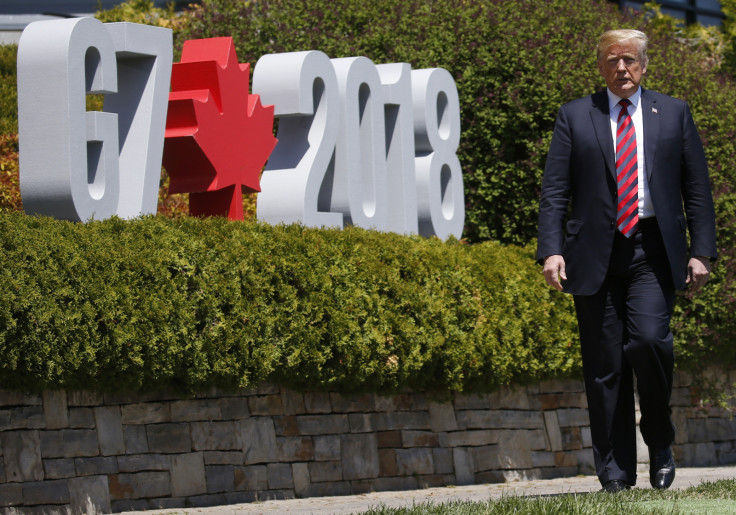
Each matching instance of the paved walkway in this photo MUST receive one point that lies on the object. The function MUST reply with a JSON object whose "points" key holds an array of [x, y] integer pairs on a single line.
{"points": [[685, 478]]}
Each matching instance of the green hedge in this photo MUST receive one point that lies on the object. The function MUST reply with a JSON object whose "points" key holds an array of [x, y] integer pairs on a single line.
{"points": [[155, 303], [185, 304]]}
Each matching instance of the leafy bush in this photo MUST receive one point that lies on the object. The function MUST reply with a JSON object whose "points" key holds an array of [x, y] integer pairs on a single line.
{"points": [[192, 303], [9, 188], [8, 90], [144, 12]]}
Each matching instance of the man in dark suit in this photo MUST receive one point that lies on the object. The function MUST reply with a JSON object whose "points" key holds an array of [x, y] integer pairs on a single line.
{"points": [[625, 180]]}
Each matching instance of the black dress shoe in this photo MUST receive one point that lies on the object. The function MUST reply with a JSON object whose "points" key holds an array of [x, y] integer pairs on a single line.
{"points": [[661, 468], [614, 486]]}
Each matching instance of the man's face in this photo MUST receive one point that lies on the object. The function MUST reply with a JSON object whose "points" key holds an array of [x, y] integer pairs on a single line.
{"points": [[621, 67]]}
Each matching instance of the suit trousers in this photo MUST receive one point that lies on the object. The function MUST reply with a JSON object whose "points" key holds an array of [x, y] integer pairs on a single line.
{"points": [[625, 330]]}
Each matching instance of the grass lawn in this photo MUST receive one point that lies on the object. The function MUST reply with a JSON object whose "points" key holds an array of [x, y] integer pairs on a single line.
{"points": [[714, 498]]}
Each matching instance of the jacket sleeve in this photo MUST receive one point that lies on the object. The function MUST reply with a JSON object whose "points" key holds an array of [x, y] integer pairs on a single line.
{"points": [[555, 195], [696, 192]]}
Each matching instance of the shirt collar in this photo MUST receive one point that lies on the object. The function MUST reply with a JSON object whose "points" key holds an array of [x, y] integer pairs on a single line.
{"points": [[615, 99]]}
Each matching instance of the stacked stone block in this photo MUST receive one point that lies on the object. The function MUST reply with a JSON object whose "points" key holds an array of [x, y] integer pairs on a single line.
{"points": [[84, 452]]}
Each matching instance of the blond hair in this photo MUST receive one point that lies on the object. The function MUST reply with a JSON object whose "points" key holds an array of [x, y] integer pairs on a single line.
{"points": [[612, 37]]}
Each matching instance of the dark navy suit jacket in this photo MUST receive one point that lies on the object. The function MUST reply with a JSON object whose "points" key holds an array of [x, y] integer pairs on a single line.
{"points": [[577, 210]]}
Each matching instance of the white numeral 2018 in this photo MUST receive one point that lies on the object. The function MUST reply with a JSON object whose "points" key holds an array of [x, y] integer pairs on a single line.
{"points": [[372, 146]]}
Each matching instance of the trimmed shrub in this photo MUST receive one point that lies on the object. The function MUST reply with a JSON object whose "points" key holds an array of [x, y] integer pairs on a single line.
{"points": [[155, 303]]}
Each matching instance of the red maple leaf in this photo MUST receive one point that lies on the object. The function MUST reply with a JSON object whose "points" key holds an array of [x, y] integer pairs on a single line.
{"points": [[218, 136]]}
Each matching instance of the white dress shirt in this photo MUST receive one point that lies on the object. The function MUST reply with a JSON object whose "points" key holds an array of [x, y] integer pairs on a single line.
{"points": [[645, 201]]}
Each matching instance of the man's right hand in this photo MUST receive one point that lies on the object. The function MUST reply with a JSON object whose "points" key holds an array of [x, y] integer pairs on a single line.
{"points": [[554, 270]]}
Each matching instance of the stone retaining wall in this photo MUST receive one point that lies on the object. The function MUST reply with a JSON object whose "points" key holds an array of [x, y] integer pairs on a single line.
{"points": [[85, 452]]}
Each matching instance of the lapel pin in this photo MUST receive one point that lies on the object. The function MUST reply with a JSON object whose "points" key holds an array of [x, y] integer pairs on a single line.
{"points": [[654, 109]]}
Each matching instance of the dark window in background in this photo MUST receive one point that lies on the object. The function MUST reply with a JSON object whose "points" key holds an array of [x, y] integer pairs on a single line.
{"points": [[68, 7], [705, 12]]}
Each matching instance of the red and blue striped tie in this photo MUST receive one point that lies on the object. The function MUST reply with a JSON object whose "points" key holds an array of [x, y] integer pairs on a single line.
{"points": [[627, 216]]}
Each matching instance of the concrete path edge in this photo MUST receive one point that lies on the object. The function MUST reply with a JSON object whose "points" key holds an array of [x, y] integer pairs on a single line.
{"points": [[686, 477]]}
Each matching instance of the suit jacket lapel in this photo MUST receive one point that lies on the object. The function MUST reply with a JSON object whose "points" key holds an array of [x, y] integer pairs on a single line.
{"points": [[601, 118], [650, 120]]}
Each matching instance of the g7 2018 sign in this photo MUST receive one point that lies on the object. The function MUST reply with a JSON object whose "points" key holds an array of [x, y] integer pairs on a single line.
{"points": [[357, 143]]}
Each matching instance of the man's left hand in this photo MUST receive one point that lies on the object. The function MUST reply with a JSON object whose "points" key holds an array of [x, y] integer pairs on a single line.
{"points": [[698, 272]]}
